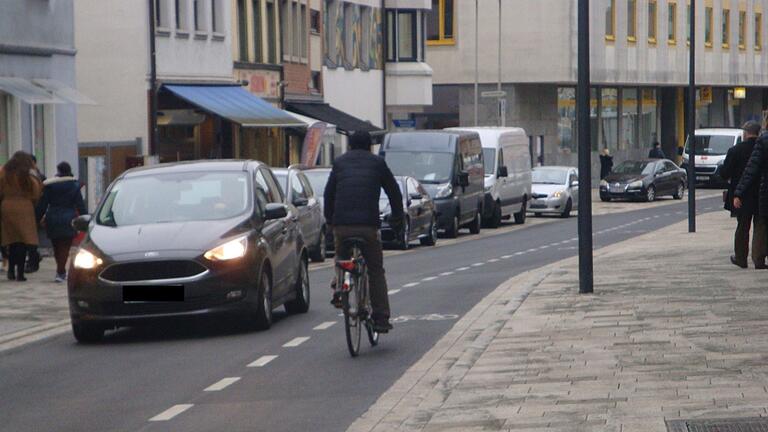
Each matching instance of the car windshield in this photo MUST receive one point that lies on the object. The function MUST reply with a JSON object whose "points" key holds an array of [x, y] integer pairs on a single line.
{"points": [[383, 195], [317, 179], [712, 145], [489, 155], [549, 176], [634, 167], [426, 167], [177, 197]]}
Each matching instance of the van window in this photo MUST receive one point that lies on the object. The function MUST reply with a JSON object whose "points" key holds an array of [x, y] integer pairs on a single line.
{"points": [[426, 167], [489, 155], [712, 145]]}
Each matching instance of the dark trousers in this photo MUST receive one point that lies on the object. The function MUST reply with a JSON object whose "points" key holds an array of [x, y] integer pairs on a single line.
{"points": [[374, 258], [17, 256], [61, 247], [759, 239]]}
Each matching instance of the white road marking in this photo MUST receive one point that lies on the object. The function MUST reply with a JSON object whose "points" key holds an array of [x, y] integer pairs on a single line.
{"points": [[519, 253], [430, 278], [478, 264], [296, 342], [462, 269], [394, 291], [506, 257], [410, 285], [324, 325], [493, 260], [448, 273], [263, 360], [222, 384], [171, 412]]}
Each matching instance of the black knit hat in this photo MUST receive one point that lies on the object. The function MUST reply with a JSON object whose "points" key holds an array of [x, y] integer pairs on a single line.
{"points": [[360, 140]]}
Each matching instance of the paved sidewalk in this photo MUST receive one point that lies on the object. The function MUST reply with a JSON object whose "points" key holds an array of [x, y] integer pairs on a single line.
{"points": [[673, 331]]}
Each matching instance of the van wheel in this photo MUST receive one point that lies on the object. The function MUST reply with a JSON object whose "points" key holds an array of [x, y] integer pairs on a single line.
{"points": [[520, 216], [431, 238], [474, 227], [453, 230], [495, 220]]}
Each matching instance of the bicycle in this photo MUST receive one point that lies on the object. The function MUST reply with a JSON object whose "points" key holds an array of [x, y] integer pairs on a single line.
{"points": [[352, 276]]}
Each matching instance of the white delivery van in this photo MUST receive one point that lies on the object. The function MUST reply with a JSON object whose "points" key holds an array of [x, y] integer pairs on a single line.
{"points": [[711, 147], [507, 173]]}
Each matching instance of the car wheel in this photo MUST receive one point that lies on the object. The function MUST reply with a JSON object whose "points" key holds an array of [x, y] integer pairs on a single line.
{"points": [[318, 255], [474, 227], [680, 192], [301, 303], [650, 194], [431, 238], [604, 198], [537, 214], [567, 211], [495, 220], [87, 333], [520, 216], [263, 318], [453, 230]]}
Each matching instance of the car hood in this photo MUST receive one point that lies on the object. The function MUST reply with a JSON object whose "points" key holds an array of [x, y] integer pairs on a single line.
{"points": [[623, 178], [546, 189]]}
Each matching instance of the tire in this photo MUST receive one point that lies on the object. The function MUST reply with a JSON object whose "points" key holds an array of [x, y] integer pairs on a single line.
{"points": [[537, 214], [495, 220], [263, 315], [405, 242], [300, 304], [373, 336], [431, 238], [567, 212], [352, 328], [474, 227], [318, 255], [680, 193], [604, 198], [520, 216], [87, 333], [650, 194], [453, 230]]}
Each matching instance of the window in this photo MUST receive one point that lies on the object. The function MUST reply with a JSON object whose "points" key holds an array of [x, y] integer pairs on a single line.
{"points": [[708, 23], [258, 29], [286, 29], [39, 129], [160, 19], [316, 82], [303, 25], [629, 117], [406, 36], [181, 8], [242, 30], [653, 21], [177, 11], [297, 25], [197, 14], [314, 21], [742, 29], [297, 189], [632, 20], [672, 23], [214, 16], [758, 31], [609, 124], [440, 23], [350, 27], [688, 23], [271, 33], [265, 181], [648, 117], [610, 20], [566, 125], [391, 31], [726, 36], [365, 38]]}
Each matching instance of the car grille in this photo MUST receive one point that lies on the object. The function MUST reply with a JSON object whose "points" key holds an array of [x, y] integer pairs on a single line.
{"points": [[705, 170], [189, 304], [152, 270], [538, 195]]}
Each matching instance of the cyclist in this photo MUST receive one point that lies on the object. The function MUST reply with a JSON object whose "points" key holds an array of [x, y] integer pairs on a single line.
{"points": [[352, 209]]}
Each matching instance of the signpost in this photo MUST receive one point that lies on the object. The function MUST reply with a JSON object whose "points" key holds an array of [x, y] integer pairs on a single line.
{"points": [[585, 153]]}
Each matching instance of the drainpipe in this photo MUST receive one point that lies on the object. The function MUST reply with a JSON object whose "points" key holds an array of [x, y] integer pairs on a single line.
{"points": [[153, 135], [385, 41]]}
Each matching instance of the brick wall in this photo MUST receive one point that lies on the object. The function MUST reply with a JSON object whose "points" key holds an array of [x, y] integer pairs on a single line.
{"points": [[297, 77]]}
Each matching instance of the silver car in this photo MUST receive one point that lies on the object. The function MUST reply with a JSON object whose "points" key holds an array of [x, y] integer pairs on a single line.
{"points": [[554, 190]]}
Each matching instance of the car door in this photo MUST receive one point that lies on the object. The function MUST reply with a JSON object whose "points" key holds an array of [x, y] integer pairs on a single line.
{"points": [[415, 208], [315, 208], [285, 268], [573, 180], [427, 205], [299, 198], [675, 177], [272, 230]]}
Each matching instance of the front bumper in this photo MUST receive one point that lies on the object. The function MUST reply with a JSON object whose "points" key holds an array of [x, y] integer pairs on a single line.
{"points": [[625, 194], [547, 205]]}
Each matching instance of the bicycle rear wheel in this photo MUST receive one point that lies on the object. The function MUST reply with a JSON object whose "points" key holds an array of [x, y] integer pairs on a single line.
{"points": [[353, 326], [373, 335]]}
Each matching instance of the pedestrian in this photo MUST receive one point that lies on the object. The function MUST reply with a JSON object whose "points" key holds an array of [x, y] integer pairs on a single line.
{"points": [[33, 255], [60, 204], [19, 191], [606, 163], [656, 152], [747, 215]]}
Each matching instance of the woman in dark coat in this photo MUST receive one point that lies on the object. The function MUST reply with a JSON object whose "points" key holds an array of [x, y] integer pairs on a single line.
{"points": [[606, 164], [19, 191], [60, 204]]}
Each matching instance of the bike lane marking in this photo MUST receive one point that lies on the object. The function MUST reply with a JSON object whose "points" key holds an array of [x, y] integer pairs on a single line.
{"points": [[222, 384], [324, 325], [430, 278], [171, 412], [296, 342], [461, 269], [410, 285], [394, 291], [262, 361]]}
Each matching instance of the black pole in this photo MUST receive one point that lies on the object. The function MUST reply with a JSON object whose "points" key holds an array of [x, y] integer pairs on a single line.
{"points": [[690, 123], [585, 153], [153, 136]]}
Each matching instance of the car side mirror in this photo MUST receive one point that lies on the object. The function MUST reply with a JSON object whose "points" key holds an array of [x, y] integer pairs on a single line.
{"points": [[81, 223], [463, 179], [301, 202], [575, 183], [503, 172], [275, 211]]}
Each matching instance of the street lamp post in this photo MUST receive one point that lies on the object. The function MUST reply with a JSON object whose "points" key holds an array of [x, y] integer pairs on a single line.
{"points": [[152, 81], [585, 152], [477, 70], [690, 124]]}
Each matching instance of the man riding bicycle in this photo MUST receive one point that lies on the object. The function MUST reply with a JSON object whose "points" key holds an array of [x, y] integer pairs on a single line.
{"points": [[352, 209]]}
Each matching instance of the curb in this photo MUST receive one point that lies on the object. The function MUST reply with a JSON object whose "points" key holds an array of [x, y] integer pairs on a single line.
{"points": [[33, 334]]}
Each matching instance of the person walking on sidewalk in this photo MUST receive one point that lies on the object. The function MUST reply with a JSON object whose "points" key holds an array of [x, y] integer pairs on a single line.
{"points": [[746, 214], [60, 204], [606, 163], [656, 152], [19, 191]]}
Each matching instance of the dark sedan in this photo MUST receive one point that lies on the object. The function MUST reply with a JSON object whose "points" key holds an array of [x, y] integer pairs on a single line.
{"points": [[185, 240], [420, 217], [644, 180], [300, 194]]}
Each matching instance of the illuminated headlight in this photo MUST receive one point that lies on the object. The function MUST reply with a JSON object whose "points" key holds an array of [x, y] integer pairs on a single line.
{"points": [[603, 183], [636, 184], [444, 191], [230, 250], [86, 260], [557, 194]]}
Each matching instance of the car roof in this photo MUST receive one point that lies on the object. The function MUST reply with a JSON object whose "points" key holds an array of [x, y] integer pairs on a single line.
{"points": [[720, 131], [490, 131], [460, 133], [560, 167], [322, 168], [191, 166]]}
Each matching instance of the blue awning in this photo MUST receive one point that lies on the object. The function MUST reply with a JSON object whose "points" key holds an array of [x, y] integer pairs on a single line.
{"points": [[236, 104]]}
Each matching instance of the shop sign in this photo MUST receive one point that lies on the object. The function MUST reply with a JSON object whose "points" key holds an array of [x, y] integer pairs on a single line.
{"points": [[311, 147], [705, 95]]}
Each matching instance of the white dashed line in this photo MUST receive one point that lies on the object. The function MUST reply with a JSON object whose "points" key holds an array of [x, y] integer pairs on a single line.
{"points": [[394, 291], [519, 253], [222, 384], [431, 278], [324, 325], [296, 342], [478, 264], [171, 412], [493, 260], [410, 285], [460, 269], [506, 257], [446, 273], [263, 360]]}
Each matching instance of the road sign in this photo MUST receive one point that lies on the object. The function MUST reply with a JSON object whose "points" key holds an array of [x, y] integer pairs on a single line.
{"points": [[493, 94], [404, 123]]}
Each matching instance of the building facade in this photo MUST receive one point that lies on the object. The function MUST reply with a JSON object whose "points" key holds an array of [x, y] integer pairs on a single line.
{"points": [[639, 69]]}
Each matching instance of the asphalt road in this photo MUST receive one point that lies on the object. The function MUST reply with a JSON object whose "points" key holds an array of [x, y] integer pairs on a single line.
{"points": [[196, 376]]}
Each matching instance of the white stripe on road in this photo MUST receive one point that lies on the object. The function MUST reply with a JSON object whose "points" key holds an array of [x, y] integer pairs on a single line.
{"points": [[296, 342], [506, 256], [478, 264], [446, 273], [171, 412], [410, 285], [262, 361], [462, 269], [431, 278], [324, 325], [519, 253], [394, 291], [493, 260], [222, 384]]}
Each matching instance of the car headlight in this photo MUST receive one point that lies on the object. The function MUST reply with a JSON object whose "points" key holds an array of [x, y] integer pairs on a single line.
{"points": [[603, 183], [636, 184], [557, 194], [444, 191], [230, 250], [86, 260]]}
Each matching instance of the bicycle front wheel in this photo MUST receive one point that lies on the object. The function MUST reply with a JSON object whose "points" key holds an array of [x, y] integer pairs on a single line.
{"points": [[352, 327]]}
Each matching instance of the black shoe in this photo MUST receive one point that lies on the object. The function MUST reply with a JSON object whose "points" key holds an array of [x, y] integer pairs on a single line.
{"points": [[21, 279], [11, 274], [760, 266], [336, 301], [382, 325], [736, 263]]}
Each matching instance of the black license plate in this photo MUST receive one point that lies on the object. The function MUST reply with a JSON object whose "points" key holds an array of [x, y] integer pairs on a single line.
{"points": [[153, 293]]}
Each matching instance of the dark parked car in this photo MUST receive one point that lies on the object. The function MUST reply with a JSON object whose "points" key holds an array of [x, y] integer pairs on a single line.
{"points": [[318, 178], [184, 240], [644, 179], [420, 217], [299, 192]]}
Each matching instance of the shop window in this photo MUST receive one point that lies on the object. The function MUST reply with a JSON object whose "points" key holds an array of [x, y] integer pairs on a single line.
{"points": [[440, 23], [594, 115], [708, 23], [242, 30], [653, 21], [629, 119], [610, 20], [672, 23], [258, 30], [609, 121], [758, 31], [632, 20], [648, 118], [726, 29], [742, 29], [271, 33], [38, 136], [566, 125]]}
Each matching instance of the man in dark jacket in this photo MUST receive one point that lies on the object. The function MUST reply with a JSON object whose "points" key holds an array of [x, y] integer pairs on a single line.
{"points": [[352, 208], [747, 212], [656, 152]]}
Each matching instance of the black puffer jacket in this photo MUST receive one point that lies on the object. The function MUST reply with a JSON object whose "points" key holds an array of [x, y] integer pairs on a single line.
{"points": [[353, 189], [735, 163], [756, 173]]}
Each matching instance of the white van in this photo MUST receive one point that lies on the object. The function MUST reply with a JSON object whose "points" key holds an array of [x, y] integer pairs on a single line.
{"points": [[711, 147], [507, 173]]}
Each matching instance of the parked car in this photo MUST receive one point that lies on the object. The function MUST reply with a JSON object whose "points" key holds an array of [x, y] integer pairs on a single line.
{"points": [[555, 190], [449, 164], [712, 145], [420, 218], [507, 161], [318, 178], [299, 192], [644, 179], [188, 239]]}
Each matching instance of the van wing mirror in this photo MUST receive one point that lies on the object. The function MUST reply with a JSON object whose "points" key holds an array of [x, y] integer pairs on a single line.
{"points": [[81, 223], [575, 183], [463, 179], [275, 211], [503, 171]]}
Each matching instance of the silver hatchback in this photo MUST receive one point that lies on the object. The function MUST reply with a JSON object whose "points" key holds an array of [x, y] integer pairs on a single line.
{"points": [[554, 190]]}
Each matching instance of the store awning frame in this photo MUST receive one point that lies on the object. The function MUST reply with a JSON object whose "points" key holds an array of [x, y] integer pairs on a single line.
{"points": [[28, 92], [236, 104], [345, 123]]}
